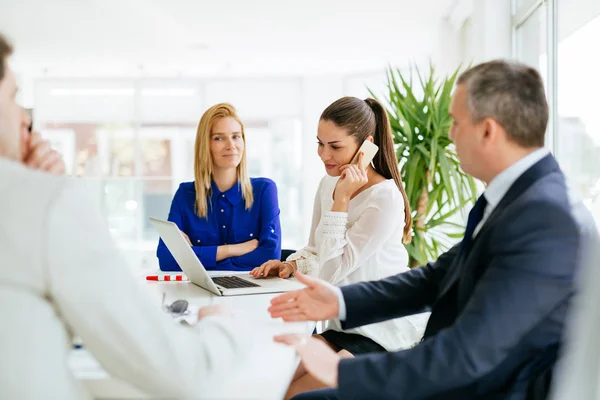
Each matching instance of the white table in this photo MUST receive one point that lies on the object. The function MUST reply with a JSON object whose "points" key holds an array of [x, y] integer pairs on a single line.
{"points": [[277, 363]]}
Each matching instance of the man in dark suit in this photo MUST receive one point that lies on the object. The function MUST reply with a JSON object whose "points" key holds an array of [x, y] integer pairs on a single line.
{"points": [[498, 299]]}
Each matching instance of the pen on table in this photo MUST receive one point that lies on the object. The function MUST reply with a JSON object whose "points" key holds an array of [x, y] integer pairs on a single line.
{"points": [[167, 278]]}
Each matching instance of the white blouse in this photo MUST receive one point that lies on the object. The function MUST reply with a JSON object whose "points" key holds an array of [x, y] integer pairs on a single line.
{"points": [[363, 244]]}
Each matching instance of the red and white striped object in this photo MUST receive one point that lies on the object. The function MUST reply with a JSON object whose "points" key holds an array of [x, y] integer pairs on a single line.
{"points": [[167, 278]]}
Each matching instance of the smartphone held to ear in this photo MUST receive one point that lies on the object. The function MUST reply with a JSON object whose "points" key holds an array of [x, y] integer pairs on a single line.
{"points": [[369, 149]]}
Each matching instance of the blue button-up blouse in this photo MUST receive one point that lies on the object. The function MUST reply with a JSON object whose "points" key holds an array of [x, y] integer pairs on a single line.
{"points": [[227, 222]]}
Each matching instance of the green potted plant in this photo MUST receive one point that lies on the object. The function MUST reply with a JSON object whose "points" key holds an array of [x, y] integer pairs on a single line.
{"points": [[436, 186]]}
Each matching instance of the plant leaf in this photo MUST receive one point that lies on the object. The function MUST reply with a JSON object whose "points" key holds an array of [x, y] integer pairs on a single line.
{"points": [[419, 117]]}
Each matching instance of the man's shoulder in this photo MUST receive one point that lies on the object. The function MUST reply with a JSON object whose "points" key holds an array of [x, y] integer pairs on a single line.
{"points": [[541, 213], [534, 213], [31, 197], [27, 187], [551, 189], [548, 193]]}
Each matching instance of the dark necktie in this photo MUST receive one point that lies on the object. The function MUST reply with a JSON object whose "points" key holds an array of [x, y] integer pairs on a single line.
{"points": [[475, 217], [440, 320]]}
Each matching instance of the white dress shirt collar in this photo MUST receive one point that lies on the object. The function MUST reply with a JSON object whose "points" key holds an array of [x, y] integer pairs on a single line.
{"points": [[498, 187]]}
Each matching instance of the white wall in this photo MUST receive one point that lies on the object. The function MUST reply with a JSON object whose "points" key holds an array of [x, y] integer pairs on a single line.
{"points": [[257, 98], [449, 54], [487, 34], [167, 101], [172, 100], [318, 92]]}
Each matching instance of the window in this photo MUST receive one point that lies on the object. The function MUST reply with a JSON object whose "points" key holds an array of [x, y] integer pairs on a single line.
{"points": [[531, 40], [133, 142], [574, 81], [578, 145]]}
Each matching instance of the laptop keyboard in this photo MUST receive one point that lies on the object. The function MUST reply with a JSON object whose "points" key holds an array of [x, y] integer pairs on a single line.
{"points": [[233, 282]]}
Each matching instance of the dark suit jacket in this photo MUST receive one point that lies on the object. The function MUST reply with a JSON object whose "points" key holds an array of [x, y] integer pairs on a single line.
{"points": [[497, 312]]}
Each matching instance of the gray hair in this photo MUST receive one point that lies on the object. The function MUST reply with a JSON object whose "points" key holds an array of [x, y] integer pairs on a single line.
{"points": [[510, 93]]}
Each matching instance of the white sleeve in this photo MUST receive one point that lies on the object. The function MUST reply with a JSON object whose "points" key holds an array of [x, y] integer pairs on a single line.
{"points": [[96, 295], [307, 258], [342, 250], [341, 302]]}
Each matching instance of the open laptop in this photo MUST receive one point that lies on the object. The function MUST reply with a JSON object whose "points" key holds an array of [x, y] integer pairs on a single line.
{"points": [[231, 285]]}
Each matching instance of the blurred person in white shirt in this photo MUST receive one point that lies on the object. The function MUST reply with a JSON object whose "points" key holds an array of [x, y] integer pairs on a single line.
{"points": [[62, 275], [578, 369]]}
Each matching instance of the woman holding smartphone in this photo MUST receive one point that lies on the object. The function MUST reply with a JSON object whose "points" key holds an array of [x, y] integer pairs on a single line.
{"points": [[361, 220], [231, 221]]}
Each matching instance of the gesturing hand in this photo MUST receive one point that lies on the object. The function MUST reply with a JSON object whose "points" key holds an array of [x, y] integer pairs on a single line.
{"points": [[316, 302], [319, 359]]}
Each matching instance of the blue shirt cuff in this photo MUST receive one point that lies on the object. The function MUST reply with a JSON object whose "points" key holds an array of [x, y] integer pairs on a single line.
{"points": [[207, 255]]}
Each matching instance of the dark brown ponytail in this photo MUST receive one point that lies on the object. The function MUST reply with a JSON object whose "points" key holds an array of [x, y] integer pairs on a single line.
{"points": [[364, 118], [385, 160]]}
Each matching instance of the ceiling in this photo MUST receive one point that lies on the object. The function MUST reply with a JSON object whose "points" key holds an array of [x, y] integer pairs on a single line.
{"points": [[235, 37]]}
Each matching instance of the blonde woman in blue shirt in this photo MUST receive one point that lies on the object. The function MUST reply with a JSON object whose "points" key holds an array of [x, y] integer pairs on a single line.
{"points": [[230, 220]]}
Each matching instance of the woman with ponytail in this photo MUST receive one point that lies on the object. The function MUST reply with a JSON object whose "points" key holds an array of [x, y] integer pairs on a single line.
{"points": [[361, 219]]}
